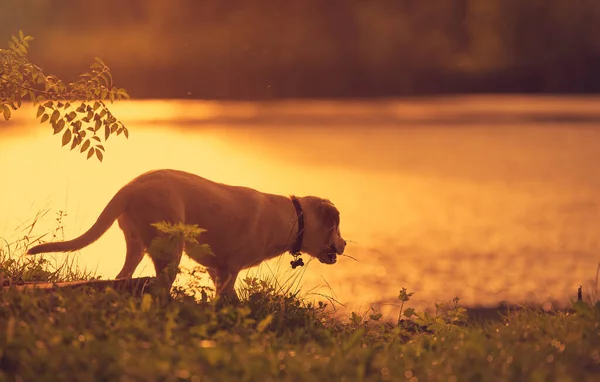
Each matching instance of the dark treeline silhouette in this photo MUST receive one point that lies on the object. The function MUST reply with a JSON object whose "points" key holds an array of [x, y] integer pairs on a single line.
{"points": [[262, 49]]}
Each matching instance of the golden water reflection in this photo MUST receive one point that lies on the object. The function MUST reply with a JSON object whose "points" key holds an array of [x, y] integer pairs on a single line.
{"points": [[488, 213]]}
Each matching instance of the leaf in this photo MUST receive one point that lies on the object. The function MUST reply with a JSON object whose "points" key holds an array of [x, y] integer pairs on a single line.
{"points": [[40, 111], [106, 132], [100, 147], [404, 296], [90, 153], [99, 155], [71, 116], [123, 93], [45, 117], [409, 312], [126, 132], [85, 146], [75, 142], [61, 125], [6, 112], [58, 126], [66, 138], [98, 125], [105, 77], [264, 323], [96, 138], [54, 116], [146, 302]]}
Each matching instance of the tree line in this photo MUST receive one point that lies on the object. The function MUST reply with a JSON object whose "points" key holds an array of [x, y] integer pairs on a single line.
{"points": [[262, 49]]}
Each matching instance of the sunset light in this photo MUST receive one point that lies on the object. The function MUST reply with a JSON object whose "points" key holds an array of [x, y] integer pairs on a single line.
{"points": [[361, 190]]}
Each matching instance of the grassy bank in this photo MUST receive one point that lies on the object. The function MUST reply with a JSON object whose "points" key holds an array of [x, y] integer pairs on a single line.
{"points": [[104, 335], [72, 335]]}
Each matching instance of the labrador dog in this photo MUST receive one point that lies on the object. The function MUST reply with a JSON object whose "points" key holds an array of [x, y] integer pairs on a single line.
{"points": [[243, 226]]}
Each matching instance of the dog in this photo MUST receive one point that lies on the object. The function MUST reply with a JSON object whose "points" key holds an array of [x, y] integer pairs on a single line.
{"points": [[244, 227]]}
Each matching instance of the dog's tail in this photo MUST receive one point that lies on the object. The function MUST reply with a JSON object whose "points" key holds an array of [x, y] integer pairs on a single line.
{"points": [[107, 217]]}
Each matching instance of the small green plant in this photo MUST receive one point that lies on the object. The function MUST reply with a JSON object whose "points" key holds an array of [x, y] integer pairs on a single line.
{"points": [[173, 238], [404, 296], [445, 316], [173, 234], [194, 289], [76, 110]]}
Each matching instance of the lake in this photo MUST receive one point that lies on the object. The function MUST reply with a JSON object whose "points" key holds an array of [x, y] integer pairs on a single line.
{"points": [[487, 198]]}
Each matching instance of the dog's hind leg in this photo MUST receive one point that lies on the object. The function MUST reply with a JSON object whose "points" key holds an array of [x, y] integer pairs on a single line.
{"points": [[167, 265], [135, 250], [224, 280]]}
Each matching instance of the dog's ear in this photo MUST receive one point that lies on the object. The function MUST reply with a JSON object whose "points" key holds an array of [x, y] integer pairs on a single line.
{"points": [[328, 213]]}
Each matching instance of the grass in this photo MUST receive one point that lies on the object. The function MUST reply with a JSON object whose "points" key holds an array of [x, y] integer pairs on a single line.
{"points": [[17, 268], [275, 334]]}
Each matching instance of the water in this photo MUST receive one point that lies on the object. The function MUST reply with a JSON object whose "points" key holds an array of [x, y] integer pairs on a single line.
{"points": [[482, 198]]}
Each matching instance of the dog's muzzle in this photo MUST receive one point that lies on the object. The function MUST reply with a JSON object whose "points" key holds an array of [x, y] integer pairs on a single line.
{"points": [[329, 257]]}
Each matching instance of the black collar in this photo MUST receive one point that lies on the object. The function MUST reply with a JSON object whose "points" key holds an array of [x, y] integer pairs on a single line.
{"points": [[297, 246]]}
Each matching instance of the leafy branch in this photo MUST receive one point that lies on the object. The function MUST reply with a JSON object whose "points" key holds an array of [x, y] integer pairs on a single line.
{"points": [[68, 108]]}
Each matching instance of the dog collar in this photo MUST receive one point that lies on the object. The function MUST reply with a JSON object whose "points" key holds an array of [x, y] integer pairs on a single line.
{"points": [[297, 246]]}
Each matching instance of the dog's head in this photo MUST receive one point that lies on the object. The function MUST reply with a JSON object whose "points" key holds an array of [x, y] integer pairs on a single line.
{"points": [[322, 237]]}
